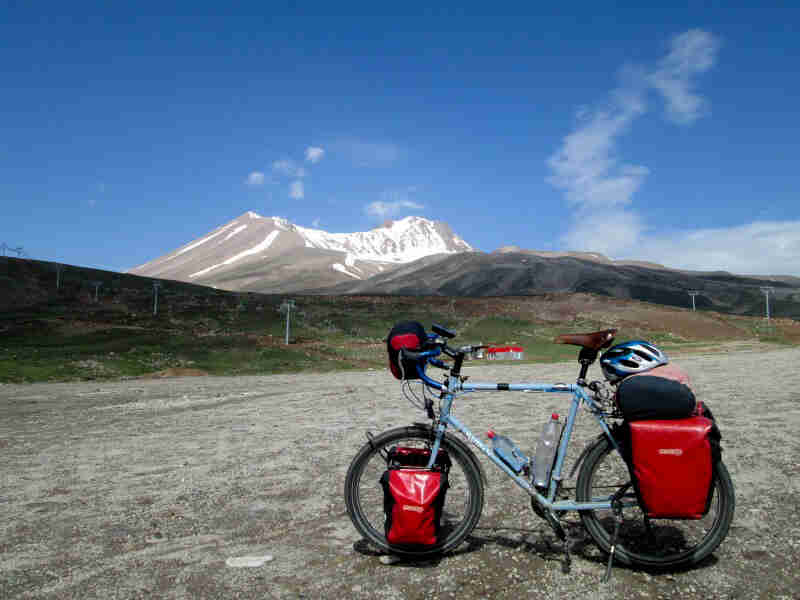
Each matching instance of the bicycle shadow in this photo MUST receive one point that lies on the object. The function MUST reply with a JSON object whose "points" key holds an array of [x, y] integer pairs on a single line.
{"points": [[534, 542], [531, 541], [364, 548]]}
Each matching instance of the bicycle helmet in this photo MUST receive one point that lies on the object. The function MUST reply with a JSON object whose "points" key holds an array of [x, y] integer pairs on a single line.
{"points": [[625, 359]]}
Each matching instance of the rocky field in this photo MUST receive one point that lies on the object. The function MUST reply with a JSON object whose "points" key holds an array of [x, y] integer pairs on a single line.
{"points": [[159, 488]]}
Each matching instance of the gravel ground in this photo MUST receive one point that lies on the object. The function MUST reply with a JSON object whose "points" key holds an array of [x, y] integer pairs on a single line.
{"points": [[154, 488]]}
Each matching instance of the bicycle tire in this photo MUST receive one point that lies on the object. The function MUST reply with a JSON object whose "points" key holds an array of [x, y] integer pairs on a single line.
{"points": [[364, 495], [674, 543]]}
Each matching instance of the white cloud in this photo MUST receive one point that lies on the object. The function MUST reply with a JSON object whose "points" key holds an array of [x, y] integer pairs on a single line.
{"points": [[393, 202], [370, 154], [692, 52], [611, 233], [288, 167], [296, 190], [255, 178], [758, 248], [314, 154], [586, 167], [383, 209], [598, 185]]}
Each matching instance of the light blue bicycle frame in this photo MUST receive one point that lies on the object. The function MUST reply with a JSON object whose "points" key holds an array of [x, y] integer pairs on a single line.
{"points": [[455, 386]]}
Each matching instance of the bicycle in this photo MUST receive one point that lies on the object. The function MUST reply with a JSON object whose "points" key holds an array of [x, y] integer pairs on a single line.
{"points": [[605, 497]]}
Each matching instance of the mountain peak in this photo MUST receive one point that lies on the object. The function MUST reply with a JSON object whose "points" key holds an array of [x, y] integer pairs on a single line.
{"points": [[243, 249]]}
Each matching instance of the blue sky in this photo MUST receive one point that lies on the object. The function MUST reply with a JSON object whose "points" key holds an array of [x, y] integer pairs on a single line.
{"points": [[666, 134]]}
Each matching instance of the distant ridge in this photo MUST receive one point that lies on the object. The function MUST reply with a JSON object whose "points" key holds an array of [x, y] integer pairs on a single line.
{"points": [[511, 272]]}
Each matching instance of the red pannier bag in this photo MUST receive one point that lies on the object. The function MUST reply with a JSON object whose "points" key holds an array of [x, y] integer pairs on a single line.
{"points": [[672, 463], [413, 496]]}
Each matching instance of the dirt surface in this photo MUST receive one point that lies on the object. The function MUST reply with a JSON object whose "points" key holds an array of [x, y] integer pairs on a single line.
{"points": [[152, 488]]}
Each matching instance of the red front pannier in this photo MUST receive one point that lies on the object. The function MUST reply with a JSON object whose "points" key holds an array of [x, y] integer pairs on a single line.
{"points": [[672, 463], [413, 496]]}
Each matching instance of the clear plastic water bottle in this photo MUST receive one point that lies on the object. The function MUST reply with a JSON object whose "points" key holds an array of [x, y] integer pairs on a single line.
{"points": [[546, 451], [507, 451]]}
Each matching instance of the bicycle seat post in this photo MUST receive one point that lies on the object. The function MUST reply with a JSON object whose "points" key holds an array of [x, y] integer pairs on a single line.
{"points": [[586, 357]]}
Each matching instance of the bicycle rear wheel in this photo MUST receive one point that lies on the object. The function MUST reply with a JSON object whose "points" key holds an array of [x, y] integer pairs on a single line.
{"points": [[364, 494], [669, 543]]}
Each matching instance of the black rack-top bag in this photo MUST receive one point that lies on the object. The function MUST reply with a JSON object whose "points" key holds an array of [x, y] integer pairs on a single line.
{"points": [[647, 398], [406, 335]]}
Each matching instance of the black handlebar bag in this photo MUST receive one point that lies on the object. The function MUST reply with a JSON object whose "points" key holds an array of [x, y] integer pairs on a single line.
{"points": [[406, 335], [413, 496]]}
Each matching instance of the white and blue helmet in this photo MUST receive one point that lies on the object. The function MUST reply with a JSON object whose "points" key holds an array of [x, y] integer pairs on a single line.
{"points": [[625, 359]]}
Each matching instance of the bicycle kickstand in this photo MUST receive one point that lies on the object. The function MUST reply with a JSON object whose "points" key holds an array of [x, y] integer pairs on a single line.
{"points": [[617, 510]]}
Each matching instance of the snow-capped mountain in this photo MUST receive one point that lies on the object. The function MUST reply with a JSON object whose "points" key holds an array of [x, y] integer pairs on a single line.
{"points": [[267, 254]]}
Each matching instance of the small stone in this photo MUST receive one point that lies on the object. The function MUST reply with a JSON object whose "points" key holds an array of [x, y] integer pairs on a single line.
{"points": [[389, 559], [155, 539], [248, 561], [257, 507]]}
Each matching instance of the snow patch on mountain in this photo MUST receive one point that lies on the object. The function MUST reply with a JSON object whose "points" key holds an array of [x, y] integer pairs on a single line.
{"points": [[254, 250], [234, 232], [204, 240], [342, 269]]}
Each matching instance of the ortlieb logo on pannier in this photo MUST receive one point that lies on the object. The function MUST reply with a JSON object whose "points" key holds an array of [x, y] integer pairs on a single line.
{"points": [[408, 335], [413, 496], [672, 463]]}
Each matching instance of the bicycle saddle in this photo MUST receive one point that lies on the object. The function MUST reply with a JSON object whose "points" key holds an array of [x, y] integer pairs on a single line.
{"points": [[592, 341]]}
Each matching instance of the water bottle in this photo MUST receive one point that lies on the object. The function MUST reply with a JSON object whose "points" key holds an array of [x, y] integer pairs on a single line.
{"points": [[546, 451], [506, 451]]}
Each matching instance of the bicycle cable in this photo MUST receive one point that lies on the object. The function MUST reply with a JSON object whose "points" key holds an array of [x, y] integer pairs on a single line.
{"points": [[408, 393]]}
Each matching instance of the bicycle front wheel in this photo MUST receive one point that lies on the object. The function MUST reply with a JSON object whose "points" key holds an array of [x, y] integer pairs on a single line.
{"points": [[652, 543], [364, 495]]}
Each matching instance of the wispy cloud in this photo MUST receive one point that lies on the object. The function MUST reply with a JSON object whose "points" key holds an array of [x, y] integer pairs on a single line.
{"points": [[316, 222], [691, 53], [314, 154], [296, 190], [383, 209], [586, 166], [289, 168], [598, 185], [758, 248], [393, 203], [255, 178], [368, 154]]}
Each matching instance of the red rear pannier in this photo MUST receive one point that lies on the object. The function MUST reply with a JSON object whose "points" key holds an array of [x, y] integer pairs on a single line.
{"points": [[413, 496], [671, 461]]}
